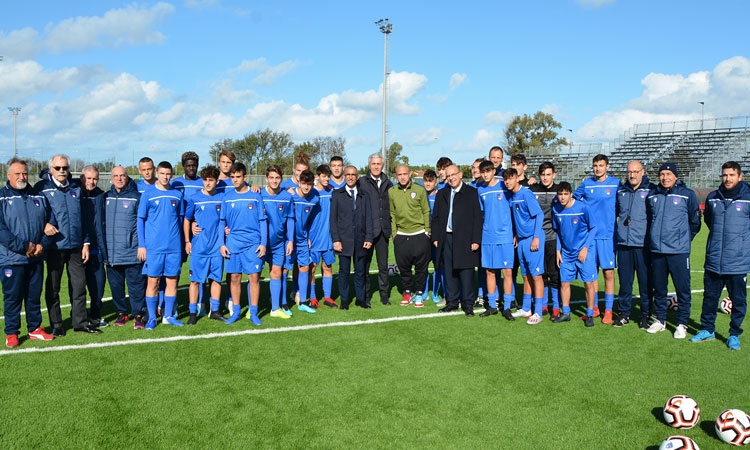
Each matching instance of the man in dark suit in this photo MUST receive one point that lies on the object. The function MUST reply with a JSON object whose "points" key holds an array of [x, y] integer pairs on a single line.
{"points": [[376, 184], [351, 231], [457, 234]]}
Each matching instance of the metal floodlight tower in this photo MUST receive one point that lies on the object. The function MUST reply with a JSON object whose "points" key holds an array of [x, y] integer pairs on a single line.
{"points": [[702, 105], [386, 28], [15, 110]]}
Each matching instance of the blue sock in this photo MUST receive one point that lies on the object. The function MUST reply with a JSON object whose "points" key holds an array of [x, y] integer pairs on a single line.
{"points": [[303, 281], [555, 297], [566, 310], [327, 286], [169, 305], [275, 288], [492, 298], [215, 305], [609, 301], [253, 311], [151, 303], [507, 300], [193, 308], [545, 293], [589, 311], [313, 294], [527, 302], [284, 278], [538, 306]]}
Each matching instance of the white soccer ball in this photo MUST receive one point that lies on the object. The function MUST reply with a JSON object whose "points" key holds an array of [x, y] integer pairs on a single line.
{"points": [[392, 270], [678, 442], [726, 305], [682, 412], [672, 302], [733, 427]]}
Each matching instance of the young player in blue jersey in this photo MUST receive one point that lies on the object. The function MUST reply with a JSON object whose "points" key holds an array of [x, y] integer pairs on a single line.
{"points": [[337, 179], [226, 161], [576, 232], [304, 199], [244, 246], [278, 204], [189, 183], [302, 164], [482, 292], [204, 209], [438, 275], [600, 193], [528, 218], [497, 239], [442, 163], [321, 244], [160, 214], [146, 170]]}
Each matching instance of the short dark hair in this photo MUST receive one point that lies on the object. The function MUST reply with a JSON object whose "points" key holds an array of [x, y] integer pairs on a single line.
{"points": [[486, 165], [323, 169], [145, 159], [734, 165], [188, 156], [429, 175], [238, 167], [510, 173], [275, 168], [306, 177], [337, 158], [165, 165], [600, 157], [210, 172], [519, 159], [564, 187], [443, 162], [546, 165]]}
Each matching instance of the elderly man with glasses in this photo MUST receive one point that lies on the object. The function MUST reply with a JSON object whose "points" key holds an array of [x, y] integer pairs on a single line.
{"points": [[69, 245]]}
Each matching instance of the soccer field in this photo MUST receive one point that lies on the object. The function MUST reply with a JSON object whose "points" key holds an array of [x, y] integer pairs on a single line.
{"points": [[389, 377]]}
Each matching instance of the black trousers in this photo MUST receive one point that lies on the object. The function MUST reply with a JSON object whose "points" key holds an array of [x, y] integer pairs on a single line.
{"points": [[459, 283], [57, 260], [380, 247], [412, 251]]}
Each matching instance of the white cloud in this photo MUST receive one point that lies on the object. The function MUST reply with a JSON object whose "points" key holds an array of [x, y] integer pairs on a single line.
{"points": [[131, 25], [498, 118], [725, 90], [402, 88], [457, 79], [595, 3], [269, 74], [201, 3], [420, 137]]}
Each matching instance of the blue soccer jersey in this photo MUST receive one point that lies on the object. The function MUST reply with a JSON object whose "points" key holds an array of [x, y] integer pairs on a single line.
{"points": [[335, 185], [142, 186], [160, 216], [289, 183], [431, 200], [187, 187], [206, 211], [575, 228], [528, 216], [303, 214], [498, 225], [320, 230], [223, 186], [601, 197], [278, 212], [243, 214]]}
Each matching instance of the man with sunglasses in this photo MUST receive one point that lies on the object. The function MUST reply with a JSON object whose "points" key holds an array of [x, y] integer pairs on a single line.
{"points": [[69, 245]]}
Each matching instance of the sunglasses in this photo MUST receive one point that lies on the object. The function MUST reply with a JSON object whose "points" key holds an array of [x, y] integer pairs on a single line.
{"points": [[59, 168]]}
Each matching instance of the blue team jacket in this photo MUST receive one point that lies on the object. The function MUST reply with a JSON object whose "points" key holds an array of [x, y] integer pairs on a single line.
{"points": [[631, 210], [23, 216], [65, 204], [121, 218], [92, 211], [728, 221], [673, 219]]}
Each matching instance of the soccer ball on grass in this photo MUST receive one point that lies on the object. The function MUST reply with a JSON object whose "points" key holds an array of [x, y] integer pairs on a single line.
{"points": [[682, 412], [677, 443], [733, 427]]}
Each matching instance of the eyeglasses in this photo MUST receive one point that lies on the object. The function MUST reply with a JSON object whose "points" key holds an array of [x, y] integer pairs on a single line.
{"points": [[449, 175], [59, 168], [350, 174]]}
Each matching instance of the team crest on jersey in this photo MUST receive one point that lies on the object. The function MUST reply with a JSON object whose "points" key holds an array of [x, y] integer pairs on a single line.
{"points": [[608, 191], [36, 203], [307, 209], [281, 207], [499, 196], [173, 202], [676, 201], [644, 194], [218, 208], [413, 195], [575, 221], [738, 206], [8, 273], [126, 204], [73, 194], [250, 206]]}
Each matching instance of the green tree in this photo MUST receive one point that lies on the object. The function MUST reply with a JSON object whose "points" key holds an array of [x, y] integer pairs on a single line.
{"points": [[259, 150], [394, 158], [218, 147], [539, 130], [322, 148]]}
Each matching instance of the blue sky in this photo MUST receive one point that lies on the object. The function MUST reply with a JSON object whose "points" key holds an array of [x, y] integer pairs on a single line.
{"points": [[103, 79]]}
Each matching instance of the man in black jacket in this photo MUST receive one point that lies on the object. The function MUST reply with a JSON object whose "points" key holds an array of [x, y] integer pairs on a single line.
{"points": [[457, 234], [351, 232], [92, 211], [375, 185]]}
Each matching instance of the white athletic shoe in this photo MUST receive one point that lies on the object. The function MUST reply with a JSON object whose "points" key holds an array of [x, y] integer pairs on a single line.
{"points": [[534, 320], [522, 313], [680, 332], [657, 327]]}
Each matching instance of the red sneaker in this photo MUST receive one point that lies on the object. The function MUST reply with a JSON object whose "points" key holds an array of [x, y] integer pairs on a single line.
{"points": [[607, 319], [406, 298], [11, 340], [40, 335], [597, 313], [328, 301], [314, 303]]}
